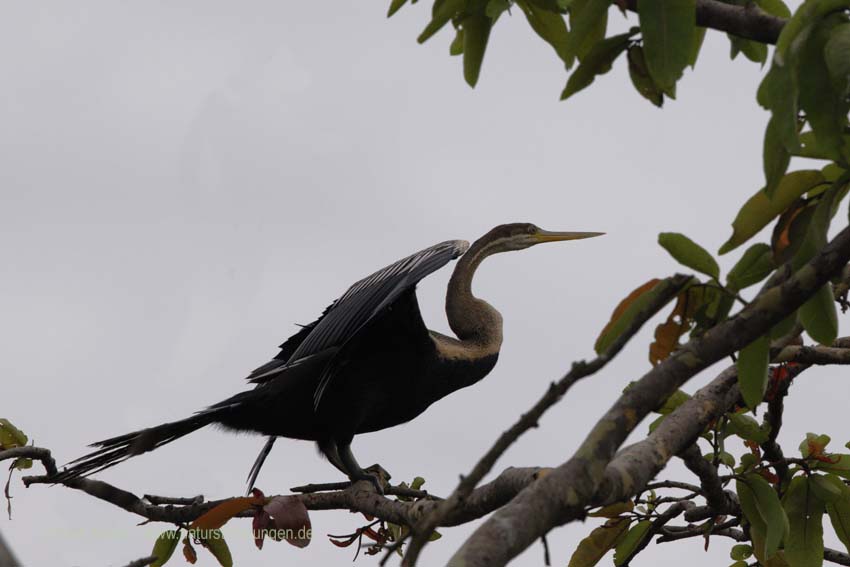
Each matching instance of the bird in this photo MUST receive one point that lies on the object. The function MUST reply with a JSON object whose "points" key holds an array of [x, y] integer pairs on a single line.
{"points": [[366, 364]]}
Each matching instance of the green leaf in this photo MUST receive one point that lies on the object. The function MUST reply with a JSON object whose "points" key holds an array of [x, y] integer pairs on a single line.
{"points": [[476, 32], [783, 327], [759, 210], [746, 428], [778, 93], [164, 547], [804, 542], [592, 548], [614, 510], [214, 542], [699, 37], [839, 510], [752, 371], [22, 463], [824, 489], [727, 459], [551, 27], [755, 265], [775, 8], [585, 18], [814, 444], [819, 317], [641, 78], [755, 51], [634, 538], [395, 6], [689, 253], [811, 147], [669, 32], [800, 25], [656, 422], [676, 399], [495, 8], [456, 47], [838, 463], [807, 233], [597, 62], [837, 56], [11, 436], [741, 551], [587, 33], [825, 108], [442, 12], [748, 462], [775, 156], [770, 510], [417, 483], [713, 306]]}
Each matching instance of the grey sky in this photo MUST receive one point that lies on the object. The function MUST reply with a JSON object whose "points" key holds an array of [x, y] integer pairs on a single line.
{"points": [[181, 183]]}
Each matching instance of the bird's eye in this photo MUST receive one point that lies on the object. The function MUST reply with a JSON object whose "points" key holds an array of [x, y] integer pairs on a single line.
{"points": [[531, 229]]}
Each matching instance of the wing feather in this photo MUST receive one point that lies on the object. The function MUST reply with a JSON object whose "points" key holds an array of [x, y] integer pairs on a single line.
{"points": [[346, 316], [362, 301]]}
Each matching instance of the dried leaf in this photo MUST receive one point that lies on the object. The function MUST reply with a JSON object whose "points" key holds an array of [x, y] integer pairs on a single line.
{"points": [[218, 516], [290, 519], [623, 314]]}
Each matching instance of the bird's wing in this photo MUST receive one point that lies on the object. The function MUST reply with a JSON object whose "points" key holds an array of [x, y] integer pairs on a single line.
{"points": [[362, 301], [287, 348], [346, 316]]}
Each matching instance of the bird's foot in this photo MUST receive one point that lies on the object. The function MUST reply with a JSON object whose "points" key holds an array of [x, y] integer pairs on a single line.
{"points": [[375, 475], [380, 472], [374, 479]]}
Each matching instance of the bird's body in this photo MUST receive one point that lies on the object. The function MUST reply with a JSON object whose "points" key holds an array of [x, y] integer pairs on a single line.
{"points": [[380, 388], [368, 363]]}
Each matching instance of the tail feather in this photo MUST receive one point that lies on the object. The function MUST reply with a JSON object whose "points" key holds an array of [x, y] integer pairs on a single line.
{"points": [[112, 451]]}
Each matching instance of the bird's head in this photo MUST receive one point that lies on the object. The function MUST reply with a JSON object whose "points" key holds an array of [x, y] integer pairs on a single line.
{"points": [[521, 235]]}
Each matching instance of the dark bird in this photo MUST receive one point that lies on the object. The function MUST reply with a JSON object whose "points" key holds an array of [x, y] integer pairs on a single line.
{"points": [[368, 363]]}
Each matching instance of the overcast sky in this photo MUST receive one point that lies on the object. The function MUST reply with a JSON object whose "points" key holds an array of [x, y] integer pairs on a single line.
{"points": [[183, 182]]}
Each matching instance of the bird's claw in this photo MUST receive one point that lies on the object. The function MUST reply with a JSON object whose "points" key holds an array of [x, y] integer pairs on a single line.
{"points": [[376, 482], [377, 476], [373, 479]]}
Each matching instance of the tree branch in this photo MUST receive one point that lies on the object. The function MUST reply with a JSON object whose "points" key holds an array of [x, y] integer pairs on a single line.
{"points": [[668, 289], [359, 496], [720, 501], [561, 495]]}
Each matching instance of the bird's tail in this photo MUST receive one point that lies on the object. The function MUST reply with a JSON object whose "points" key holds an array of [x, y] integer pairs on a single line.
{"points": [[112, 451]]}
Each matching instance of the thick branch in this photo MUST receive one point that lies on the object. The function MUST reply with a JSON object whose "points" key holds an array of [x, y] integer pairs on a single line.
{"points": [[666, 291], [561, 496], [820, 355]]}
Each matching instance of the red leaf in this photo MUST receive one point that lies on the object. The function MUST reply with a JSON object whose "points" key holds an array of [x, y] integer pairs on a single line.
{"points": [[260, 526], [189, 552], [219, 515], [290, 519]]}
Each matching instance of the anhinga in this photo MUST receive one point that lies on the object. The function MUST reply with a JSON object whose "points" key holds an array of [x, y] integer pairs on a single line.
{"points": [[366, 364]]}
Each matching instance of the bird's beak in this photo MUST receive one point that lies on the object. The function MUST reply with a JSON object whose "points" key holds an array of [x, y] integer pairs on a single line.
{"points": [[547, 236]]}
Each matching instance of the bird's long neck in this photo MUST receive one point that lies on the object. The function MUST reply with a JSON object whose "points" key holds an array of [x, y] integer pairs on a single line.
{"points": [[476, 323]]}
